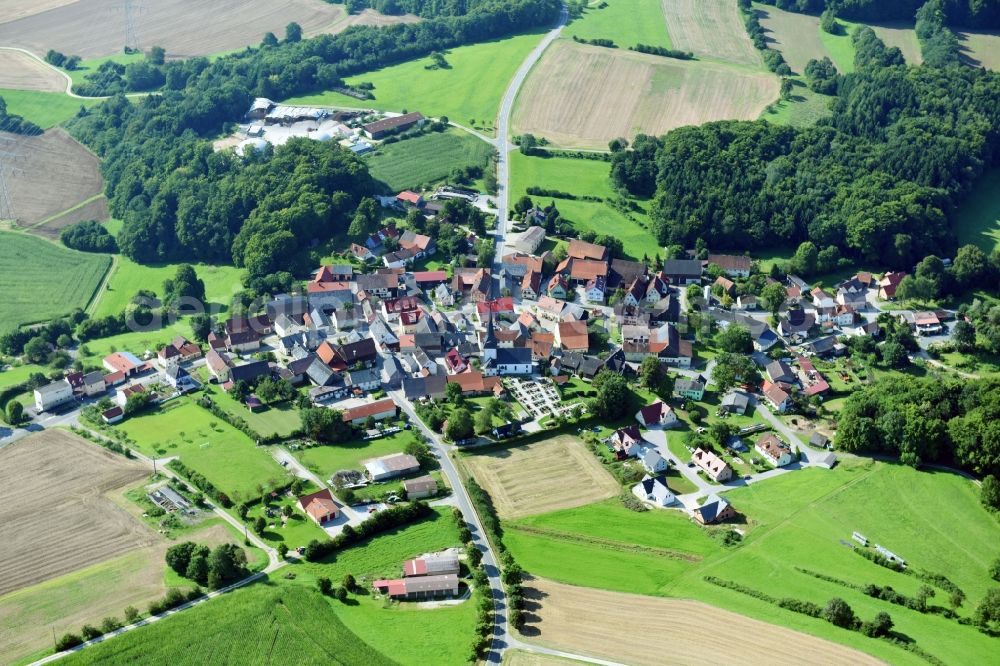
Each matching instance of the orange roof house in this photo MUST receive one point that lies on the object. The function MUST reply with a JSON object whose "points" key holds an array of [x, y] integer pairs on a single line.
{"points": [[319, 506]]}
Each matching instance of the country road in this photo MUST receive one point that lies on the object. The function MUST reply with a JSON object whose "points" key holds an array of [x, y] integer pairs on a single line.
{"points": [[503, 142]]}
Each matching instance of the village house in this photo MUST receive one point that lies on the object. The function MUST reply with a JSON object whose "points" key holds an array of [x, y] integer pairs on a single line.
{"points": [[776, 396], [573, 336], [888, 285], [657, 415], [654, 490], [557, 287], [735, 402], [653, 462], [714, 510], [692, 389], [733, 265], [628, 442], [774, 450], [714, 467], [378, 410], [53, 395]]}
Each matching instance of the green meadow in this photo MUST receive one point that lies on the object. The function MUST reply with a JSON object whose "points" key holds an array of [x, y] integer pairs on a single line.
{"points": [[427, 159], [805, 520], [45, 109], [582, 177], [978, 218], [280, 419], [41, 280], [225, 456], [625, 22], [468, 91], [327, 460]]}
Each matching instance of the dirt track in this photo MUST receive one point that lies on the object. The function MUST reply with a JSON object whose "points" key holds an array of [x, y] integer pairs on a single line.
{"points": [[532, 479], [54, 516], [19, 71], [652, 631]]}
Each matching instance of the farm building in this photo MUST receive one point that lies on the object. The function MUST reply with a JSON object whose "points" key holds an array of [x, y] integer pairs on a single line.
{"points": [[420, 487], [391, 466], [714, 510], [420, 587], [682, 271], [431, 564], [124, 362], [655, 490], [382, 128], [733, 265], [319, 506], [530, 240], [113, 415], [382, 409], [53, 395]]}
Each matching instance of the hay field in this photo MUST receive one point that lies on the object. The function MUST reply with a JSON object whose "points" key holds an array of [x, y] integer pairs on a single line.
{"points": [[54, 513], [19, 71], [368, 17], [673, 631], [557, 473], [981, 49], [795, 35], [28, 616], [711, 29], [93, 28], [902, 36], [56, 173], [11, 10], [583, 96]]}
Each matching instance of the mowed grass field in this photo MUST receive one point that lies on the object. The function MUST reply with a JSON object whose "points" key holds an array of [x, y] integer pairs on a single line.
{"points": [[281, 419], [45, 109], [582, 178], [582, 96], [575, 619], [978, 218], [981, 49], [711, 29], [796, 520], [221, 283], [427, 159], [204, 443], [138, 342], [328, 460], [468, 92], [544, 476], [264, 623], [625, 22], [41, 281]]}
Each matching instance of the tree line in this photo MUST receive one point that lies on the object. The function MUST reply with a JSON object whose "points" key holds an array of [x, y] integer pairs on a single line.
{"points": [[878, 180], [979, 14]]}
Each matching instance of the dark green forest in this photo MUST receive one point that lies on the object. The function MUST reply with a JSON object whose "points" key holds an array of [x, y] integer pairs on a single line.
{"points": [[178, 199], [878, 180], [977, 14]]}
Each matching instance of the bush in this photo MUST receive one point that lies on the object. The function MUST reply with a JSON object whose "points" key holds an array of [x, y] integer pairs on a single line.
{"points": [[89, 632], [131, 614], [325, 586], [839, 613], [67, 641]]}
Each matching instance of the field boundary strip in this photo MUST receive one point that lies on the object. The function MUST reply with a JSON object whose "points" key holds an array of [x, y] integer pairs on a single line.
{"points": [[604, 543]]}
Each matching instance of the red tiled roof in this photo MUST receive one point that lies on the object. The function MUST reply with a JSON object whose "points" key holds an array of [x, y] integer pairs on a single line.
{"points": [[409, 197], [371, 409], [430, 276], [579, 249], [497, 306]]}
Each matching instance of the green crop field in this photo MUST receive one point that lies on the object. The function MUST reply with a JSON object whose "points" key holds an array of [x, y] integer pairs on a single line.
{"points": [[469, 90], [427, 159], [625, 22], [264, 623], [582, 178], [226, 456], [41, 280], [803, 519], [327, 460], [978, 218], [221, 282], [45, 109], [404, 632]]}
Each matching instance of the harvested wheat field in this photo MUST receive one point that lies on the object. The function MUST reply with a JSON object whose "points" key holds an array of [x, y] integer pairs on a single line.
{"points": [[28, 617], [795, 35], [525, 658], [55, 173], [370, 17], [532, 479], [582, 96], [711, 29], [54, 515], [673, 631], [94, 28], [11, 10], [981, 49], [902, 36], [19, 71]]}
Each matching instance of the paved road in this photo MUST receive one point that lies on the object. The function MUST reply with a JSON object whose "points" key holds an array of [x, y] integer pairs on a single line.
{"points": [[503, 143]]}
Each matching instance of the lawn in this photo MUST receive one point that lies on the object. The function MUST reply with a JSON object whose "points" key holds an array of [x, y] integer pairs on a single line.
{"points": [[280, 419], [625, 22], [327, 460], [468, 91], [41, 280], [803, 108], [978, 218], [226, 456], [263, 623], [427, 159], [840, 47], [221, 282], [296, 530], [137, 342], [797, 520], [582, 178], [20, 373], [45, 109], [409, 634]]}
